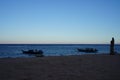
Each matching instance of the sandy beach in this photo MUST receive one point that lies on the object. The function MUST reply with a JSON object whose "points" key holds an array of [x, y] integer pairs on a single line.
{"points": [[84, 67]]}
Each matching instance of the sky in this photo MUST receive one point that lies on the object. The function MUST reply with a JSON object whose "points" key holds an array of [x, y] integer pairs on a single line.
{"points": [[59, 21]]}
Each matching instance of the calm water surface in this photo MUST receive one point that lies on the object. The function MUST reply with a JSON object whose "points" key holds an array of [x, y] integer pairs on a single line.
{"points": [[14, 50]]}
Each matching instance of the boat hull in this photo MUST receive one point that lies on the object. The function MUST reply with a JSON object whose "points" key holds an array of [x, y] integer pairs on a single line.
{"points": [[88, 50], [32, 52]]}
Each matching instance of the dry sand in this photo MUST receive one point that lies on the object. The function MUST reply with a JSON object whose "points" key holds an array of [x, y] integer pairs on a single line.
{"points": [[84, 67]]}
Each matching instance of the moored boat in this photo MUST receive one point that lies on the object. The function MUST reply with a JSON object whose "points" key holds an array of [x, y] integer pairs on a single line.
{"points": [[32, 52], [88, 50]]}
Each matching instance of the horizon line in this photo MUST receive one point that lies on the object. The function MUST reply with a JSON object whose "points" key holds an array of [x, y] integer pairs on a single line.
{"points": [[56, 44]]}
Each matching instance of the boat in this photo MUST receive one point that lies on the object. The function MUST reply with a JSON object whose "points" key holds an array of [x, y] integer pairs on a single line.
{"points": [[40, 52], [87, 50]]}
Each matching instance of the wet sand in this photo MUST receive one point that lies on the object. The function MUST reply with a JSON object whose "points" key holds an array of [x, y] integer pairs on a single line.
{"points": [[84, 67]]}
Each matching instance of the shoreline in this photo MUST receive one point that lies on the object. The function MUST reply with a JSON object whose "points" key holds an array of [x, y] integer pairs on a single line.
{"points": [[37, 56], [83, 67]]}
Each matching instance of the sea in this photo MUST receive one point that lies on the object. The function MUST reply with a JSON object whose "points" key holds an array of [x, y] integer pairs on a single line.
{"points": [[15, 50]]}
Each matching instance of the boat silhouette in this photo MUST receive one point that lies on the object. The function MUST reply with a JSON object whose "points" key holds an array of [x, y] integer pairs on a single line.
{"points": [[32, 52], [87, 50]]}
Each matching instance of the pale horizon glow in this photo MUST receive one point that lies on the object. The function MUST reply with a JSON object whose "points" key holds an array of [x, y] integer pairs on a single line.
{"points": [[59, 21]]}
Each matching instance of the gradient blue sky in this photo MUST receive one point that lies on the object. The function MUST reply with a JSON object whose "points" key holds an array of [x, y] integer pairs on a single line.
{"points": [[59, 21]]}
